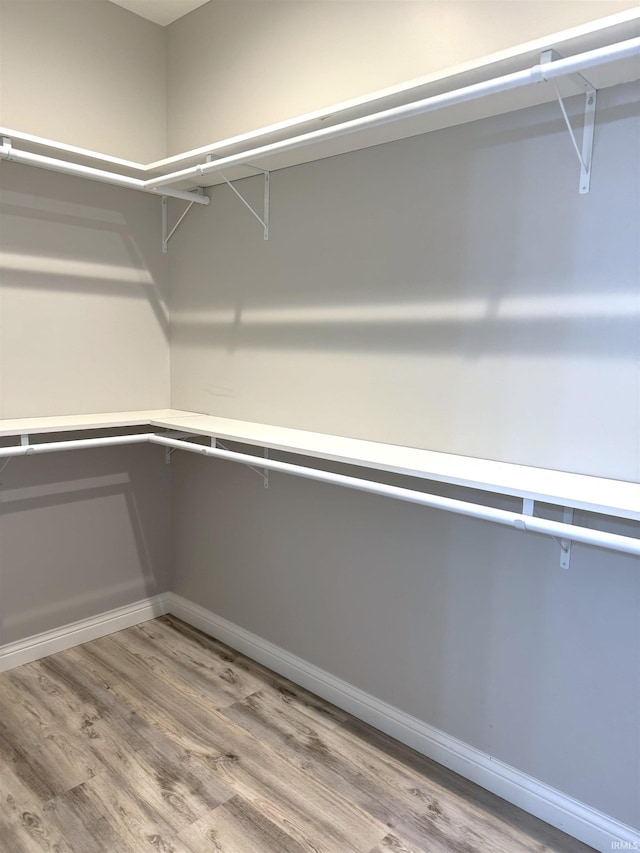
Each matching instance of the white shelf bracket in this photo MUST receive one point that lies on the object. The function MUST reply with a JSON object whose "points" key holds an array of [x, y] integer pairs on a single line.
{"points": [[166, 234], [584, 152], [263, 473], [529, 508], [264, 219], [169, 451], [565, 544]]}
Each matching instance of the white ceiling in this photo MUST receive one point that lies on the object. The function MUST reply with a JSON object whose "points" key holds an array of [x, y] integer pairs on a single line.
{"points": [[161, 12]]}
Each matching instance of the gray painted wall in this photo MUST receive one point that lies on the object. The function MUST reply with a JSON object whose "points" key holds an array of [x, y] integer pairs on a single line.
{"points": [[453, 302], [83, 283], [472, 628], [81, 533], [83, 315], [83, 297], [83, 328], [84, 72], [234, 67], [452, 292]]}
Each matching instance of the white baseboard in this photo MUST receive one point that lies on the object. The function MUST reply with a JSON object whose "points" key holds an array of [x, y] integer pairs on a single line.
{"points": [[50, 642], [571, 816]]}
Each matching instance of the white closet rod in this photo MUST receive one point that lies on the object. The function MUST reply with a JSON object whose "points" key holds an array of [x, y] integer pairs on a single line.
{"points": [[9, 153], [610, 541], [518, 79], [159, 185], [77, 444]]}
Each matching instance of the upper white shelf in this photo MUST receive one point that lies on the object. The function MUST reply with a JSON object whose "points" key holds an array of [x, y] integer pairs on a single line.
{"points": [[370, 120], [598, 34], [71, 423], [595, 494]]}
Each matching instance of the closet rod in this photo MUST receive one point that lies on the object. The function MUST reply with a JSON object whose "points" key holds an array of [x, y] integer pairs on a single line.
{"points": [[537, 74], [74, 444], [530, 523], [9, 153], [611, 541]]}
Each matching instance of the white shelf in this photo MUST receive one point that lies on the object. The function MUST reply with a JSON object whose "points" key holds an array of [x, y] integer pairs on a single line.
{"points": [[597, 34], [594, 35], [102, 420], [595, 494], [615, 498]]}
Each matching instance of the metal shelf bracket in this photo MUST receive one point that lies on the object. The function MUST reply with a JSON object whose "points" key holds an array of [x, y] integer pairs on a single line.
{"points": [[565, 544], [529, 509], [166, 234], [264, 219], [584, 152], [263, 473], [169, 451]]}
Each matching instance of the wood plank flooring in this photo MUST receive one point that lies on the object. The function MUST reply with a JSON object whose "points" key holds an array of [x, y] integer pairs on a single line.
{"points": [[159, 738]]}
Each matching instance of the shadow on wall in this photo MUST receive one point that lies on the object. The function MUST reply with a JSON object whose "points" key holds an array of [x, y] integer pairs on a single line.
{"points": [[473, 239], [84, 323], [80, 534], [66, 234], [537, 324], [452, 291]]}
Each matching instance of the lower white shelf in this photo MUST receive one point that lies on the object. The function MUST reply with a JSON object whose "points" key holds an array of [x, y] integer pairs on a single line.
{"points": [[617, 498]]}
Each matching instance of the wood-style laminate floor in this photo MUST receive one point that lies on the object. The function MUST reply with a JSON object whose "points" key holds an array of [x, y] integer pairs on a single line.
{"points": [[159, 738]]}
